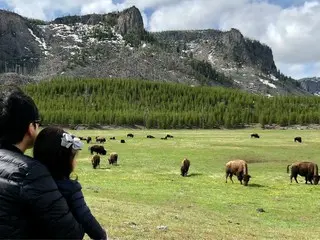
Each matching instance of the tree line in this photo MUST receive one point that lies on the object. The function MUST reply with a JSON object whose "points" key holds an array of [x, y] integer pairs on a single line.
{"points": [[127, 102]]}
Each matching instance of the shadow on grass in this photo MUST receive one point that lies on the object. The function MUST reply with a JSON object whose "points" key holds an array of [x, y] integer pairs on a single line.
{"points": [[255, 185], [194, 174]]}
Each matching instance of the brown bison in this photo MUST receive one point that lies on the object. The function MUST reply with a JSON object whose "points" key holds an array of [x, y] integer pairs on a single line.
{"points": [[238, 168], [95, 161], [185, 164], [309, 170], [113, 158], [298, 139], [150, 136], [130, 135], [169, 136], [255, 135], [98, 149], [100, 139]]}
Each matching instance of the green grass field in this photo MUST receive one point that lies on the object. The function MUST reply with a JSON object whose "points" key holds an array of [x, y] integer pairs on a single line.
{"points": [[146, 190]]}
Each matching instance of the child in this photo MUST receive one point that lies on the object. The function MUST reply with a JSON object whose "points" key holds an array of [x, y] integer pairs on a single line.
{"points": [[57, 149]]}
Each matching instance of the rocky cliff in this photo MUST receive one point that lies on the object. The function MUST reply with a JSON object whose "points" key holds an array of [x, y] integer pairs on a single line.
{"points": [[117, 45]]}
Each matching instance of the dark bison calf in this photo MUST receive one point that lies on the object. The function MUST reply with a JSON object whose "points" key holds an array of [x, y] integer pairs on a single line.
{"points": [[255, 135], [98, 149], [240, 169], [150, 136], [100, 139], [130, 135], [95, 161], [298, 139], [122, 141], [185, 164], [309, 170], [113, 159]]}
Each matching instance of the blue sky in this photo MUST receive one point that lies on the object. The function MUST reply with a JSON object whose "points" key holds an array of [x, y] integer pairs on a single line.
{"points": [[289, 27]]}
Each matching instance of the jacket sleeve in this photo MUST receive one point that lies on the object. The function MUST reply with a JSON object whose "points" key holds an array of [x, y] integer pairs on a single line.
{"points": [[83, 214], [48, 206]]}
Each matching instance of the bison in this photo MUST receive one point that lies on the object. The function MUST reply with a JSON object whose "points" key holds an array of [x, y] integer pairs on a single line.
{"points": [[130, 135], [164, 138], [150, 136], [89, 139], [98, 149], [309, 170], [95, 161], [298, 139], [100, 139], [240, 169], [169, 136], [113, 158], [122, 141], [255, 135], [113, 138], [185, 164]]}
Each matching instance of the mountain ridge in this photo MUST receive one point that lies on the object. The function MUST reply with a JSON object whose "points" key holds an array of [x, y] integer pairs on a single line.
{"points": [[117, 45]]}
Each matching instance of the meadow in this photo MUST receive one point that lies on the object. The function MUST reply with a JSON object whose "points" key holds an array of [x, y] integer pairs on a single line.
{"points": [[144, 197]]}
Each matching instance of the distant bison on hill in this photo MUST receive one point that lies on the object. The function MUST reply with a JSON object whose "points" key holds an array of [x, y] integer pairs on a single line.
{"points": [[309, 170], [255, 135], [113, 159], [130, 135], [298, 139], [98, 149], [113, 138], [185, 164], [169, 136], [150, 136], [122, 141], [240, 169], [95, 161]]}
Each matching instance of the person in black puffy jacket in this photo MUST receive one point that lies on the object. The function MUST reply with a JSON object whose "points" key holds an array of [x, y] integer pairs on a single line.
{"points": [[57, 150], [28, 193]]}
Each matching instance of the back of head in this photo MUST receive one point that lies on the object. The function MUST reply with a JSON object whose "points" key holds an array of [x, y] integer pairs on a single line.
{"points": [[48, 150], [17, 111]]}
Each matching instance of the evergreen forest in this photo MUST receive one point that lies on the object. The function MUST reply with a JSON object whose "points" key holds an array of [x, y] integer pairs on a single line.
{"points": [[124, 102]]}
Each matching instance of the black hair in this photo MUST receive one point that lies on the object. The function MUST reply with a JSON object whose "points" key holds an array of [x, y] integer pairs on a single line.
{"points": [[48, 150], [17, 111]]}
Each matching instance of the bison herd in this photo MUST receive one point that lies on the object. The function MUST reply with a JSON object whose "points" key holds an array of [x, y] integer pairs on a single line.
{"points": [[237, 167]]}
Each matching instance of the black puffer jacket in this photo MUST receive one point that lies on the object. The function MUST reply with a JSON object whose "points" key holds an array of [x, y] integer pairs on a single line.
{"points": [[29, 195], [71, 190]]}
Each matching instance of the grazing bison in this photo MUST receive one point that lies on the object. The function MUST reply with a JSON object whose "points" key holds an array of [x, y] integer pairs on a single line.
{"points": [[164, 138], [130, 135], [122, 141], [255, 135], [309, 170], [100, 139], [95, 161], [185, 164], [98, 149], [150, 136], [238, 168], [113, 158], [113, 138], [89, 139], [298, 139], [83, 138], [169, 136]]}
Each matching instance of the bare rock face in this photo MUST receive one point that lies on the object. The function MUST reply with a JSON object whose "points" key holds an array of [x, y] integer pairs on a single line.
{"points": [[130, 20], [19, 52]]}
